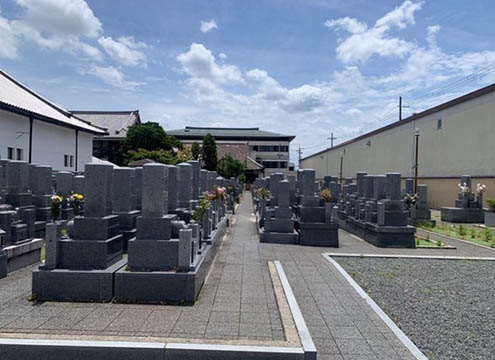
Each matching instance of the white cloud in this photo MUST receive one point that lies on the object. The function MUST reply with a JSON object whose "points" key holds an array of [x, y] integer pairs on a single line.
{"points": [[199, 62], [401, 15], [207, 26], [113, 76], [222, 56], [364, 42], [57, 25], [9, 48], [348, 24], [125, 50], [70, 17]]}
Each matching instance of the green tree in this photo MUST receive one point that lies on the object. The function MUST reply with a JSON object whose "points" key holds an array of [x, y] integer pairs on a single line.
{"points": [[184, 155], [196, 150], [160, 155], [229, 167], [148, 136], [209, 152]]}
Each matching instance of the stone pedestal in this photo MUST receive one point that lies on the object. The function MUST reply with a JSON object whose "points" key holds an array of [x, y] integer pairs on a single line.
{"points": [[314, 217], [467, 209], [278, 223]]}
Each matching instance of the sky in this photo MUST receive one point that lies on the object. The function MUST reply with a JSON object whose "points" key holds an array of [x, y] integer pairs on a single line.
{"points": [[307, 68]]}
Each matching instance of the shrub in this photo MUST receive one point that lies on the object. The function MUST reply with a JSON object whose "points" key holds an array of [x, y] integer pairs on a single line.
{"points": [[462, 230], [439, 243], [488, 234], [473, 233], [491, 204]]}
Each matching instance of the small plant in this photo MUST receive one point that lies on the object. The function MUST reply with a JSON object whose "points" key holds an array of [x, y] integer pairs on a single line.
{"points": [[263, 193], [491, 204], [462, 230], [75, 201], [417, 241], [492, 244], [473, 233], [55, 207], [488, 235], [326, 195], [64, 232], [428, 236], [201, 209], [439, 243]]}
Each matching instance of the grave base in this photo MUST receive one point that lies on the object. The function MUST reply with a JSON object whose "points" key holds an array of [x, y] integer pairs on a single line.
{"points": [[391, 236], [382, 236], [489, 218], [75, 285], [279, 238], [318, 234], [23, 254], [162, 287], [3, 264], [462, 215]]}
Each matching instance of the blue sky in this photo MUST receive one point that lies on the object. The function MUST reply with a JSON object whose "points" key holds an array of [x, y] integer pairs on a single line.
{"points": [[301, 67]]}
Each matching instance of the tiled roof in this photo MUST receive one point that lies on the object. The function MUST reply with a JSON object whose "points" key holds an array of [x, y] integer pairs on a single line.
{"points": [[116, 122], [16, 97], [226, 133]]}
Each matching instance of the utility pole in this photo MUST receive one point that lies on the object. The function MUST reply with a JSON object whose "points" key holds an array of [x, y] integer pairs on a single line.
{"points": [[400, 108], [299, 153], [332, 138], [416, 135]]}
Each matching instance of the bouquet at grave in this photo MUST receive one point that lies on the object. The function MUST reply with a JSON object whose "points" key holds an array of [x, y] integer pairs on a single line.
{"points": [[480, 189], [230, 190], [209, 195], [201, 209], [410, 199], [55, 207], [464, 189], [326, 195], [75, 203], [263, 193], [220, 193]]}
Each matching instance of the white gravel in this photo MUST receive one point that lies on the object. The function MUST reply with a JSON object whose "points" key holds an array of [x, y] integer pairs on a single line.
{"points": [[446, 307]]}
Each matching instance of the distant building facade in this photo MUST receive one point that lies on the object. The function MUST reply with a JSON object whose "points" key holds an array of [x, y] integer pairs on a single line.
{"points": [[34, 129], [264, 152], [117, 123], [455, 138]]}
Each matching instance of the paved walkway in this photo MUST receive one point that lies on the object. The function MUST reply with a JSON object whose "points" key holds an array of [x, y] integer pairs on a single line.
{"points": [[237, 302]]}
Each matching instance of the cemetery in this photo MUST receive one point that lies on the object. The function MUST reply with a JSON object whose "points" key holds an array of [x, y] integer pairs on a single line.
{"points": [[166, 241], [468, 205]]}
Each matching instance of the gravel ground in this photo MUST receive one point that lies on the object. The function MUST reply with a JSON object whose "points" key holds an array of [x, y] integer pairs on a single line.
{"points": [[446, 307]]}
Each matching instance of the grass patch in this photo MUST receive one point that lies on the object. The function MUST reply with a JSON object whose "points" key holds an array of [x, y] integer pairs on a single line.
{"points": [[426, 242], [480, 236]]}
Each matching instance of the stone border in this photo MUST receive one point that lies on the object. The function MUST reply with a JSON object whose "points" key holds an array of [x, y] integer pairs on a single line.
{"points": [[396, 330], [402, 256], [306, 340], [298, 344]]}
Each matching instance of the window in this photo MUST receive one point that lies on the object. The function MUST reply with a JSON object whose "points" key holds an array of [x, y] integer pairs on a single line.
{"points": [[439, 124], [284, 148], [275, 164], [10, 154], [66, 160], [71, 161], [20, 154], [254, 148]]}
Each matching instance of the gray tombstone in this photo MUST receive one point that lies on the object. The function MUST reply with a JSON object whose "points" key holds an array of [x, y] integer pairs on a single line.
{"points": [[185, 184], [122, 199], [153, 190], [196, 171], [172, 187], [393, 186]]}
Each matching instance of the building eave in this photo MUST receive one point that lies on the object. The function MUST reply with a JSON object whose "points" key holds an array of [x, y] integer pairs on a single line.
{"points": [[28, 113]]}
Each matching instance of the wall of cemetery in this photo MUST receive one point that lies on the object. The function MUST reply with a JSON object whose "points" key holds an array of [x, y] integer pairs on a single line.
{"points": [[454, 141]]}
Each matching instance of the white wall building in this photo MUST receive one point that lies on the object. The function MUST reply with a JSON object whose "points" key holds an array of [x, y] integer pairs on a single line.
{"points": [[35, 130]]}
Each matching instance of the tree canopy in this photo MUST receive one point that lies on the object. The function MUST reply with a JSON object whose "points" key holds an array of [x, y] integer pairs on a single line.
{"points": [[196, 150], [229, 167], [209, 153], [148, 136]]}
